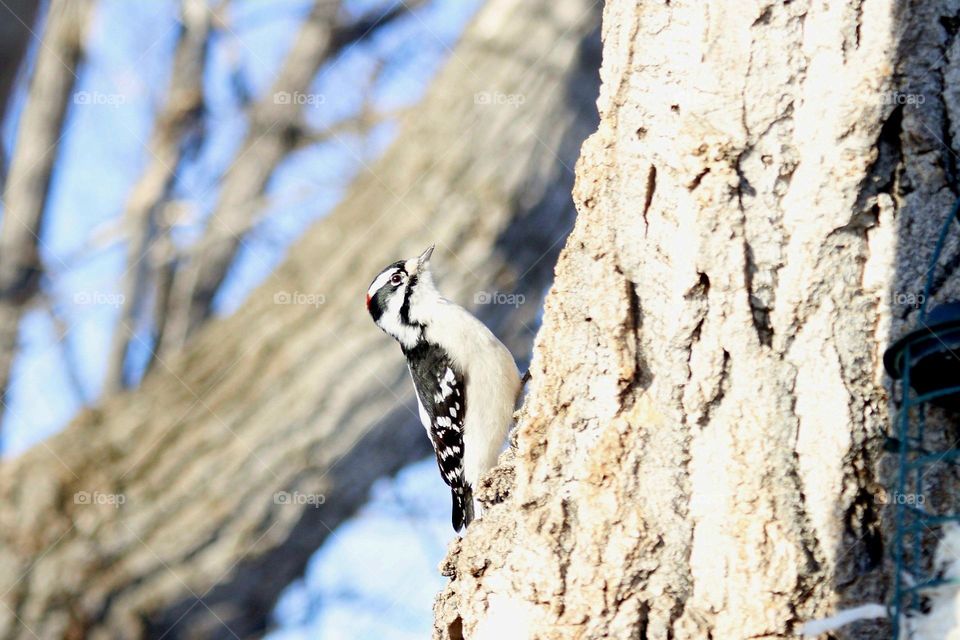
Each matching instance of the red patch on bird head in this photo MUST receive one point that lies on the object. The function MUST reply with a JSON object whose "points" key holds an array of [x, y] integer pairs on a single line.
{"points": [[368, 302]]}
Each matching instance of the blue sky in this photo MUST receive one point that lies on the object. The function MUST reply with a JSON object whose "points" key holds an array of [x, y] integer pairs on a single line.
{"points": [[103, 152], [377, 575]]}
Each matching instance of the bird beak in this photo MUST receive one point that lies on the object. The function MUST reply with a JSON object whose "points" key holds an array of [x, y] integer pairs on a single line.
{"points": [[424, 260]]}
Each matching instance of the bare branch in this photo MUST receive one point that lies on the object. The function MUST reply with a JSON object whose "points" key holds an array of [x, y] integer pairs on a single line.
{"points": [[16, 24], [179, 116], [28, 180], [70, 364], [276, 128]]}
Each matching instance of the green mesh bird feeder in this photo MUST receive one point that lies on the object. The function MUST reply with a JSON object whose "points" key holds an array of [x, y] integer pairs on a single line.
{"points": [[927, 363]]}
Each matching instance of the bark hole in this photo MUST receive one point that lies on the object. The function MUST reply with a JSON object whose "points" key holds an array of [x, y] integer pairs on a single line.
{"points": [[455, 629]]}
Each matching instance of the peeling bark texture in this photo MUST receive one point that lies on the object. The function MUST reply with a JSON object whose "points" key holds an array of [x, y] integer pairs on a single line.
{"points": [[31, 167], [700, 451], [299, 392]]}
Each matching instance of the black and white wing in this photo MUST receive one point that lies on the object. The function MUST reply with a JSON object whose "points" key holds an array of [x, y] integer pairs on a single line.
{"points": [[442, 399]]}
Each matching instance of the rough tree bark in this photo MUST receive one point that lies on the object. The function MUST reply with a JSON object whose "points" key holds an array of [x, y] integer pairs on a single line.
{"points": [[699, 455], [299, 391], [28, 178]]}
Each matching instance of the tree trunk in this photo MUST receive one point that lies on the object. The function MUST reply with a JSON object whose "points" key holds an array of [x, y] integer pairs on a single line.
{"points": [[31, 167], [161, 513], [699, 454], [15, 30]]}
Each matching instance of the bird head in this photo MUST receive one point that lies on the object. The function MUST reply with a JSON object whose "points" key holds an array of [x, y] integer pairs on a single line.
{"points": [[396, 295]]}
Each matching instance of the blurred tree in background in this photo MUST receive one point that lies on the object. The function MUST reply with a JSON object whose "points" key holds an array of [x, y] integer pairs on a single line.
{"points": [[170, 506], [186, 240], [206, 133]]}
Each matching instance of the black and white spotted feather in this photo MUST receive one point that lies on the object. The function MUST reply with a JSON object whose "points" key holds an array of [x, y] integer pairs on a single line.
{"points": [[466, 380], [442, 399]]}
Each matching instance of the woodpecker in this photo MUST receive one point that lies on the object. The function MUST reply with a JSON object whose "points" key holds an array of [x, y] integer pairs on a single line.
{"points": [[465, 379]]}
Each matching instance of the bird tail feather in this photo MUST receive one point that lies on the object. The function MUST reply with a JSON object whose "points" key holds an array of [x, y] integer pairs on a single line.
{"points": [[462, 506]]}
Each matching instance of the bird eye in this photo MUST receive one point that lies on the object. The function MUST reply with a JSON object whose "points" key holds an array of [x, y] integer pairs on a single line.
{"points": [[396, 279]]}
